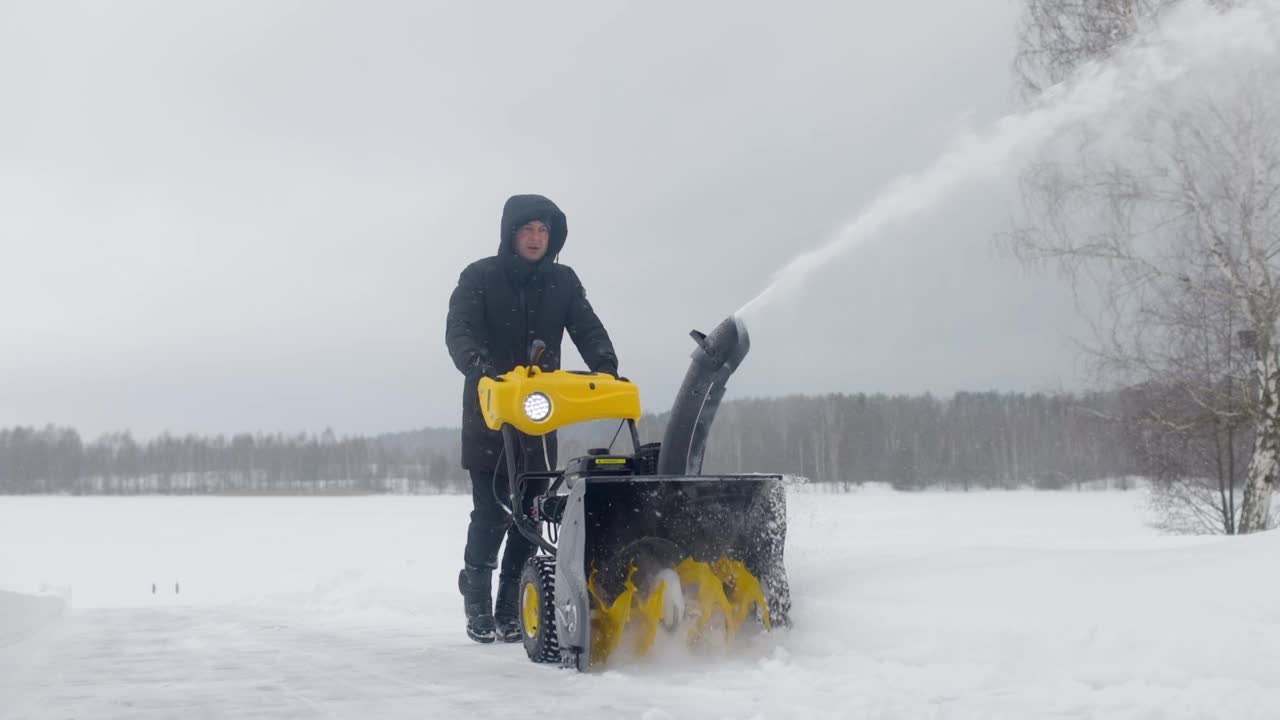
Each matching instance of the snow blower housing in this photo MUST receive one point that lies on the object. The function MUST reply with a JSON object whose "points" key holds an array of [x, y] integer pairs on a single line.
{"points": [[633, 545]]}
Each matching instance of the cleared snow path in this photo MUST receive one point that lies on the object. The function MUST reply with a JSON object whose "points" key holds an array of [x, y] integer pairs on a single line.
{"points": [[935, 605]]}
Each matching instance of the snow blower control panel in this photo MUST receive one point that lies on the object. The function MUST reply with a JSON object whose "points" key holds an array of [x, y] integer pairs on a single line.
{"points": [[596, 465], [536, 402]]}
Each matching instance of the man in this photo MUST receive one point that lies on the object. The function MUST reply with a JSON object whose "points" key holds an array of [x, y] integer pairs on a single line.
{"points": [[500, 306]]}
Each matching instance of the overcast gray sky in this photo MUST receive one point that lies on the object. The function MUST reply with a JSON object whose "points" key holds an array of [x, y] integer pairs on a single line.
{"points": [[241, 216]]}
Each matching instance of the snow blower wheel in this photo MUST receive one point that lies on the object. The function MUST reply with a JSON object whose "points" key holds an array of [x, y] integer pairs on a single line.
{"points": [[537, 610]]}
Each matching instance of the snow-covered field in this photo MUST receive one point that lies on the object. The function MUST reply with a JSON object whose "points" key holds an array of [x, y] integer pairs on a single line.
{"points": [[935, 605]]}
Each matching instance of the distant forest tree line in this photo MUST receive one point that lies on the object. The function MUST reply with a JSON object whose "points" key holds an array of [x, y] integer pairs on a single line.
{"points": [[971, 440]]}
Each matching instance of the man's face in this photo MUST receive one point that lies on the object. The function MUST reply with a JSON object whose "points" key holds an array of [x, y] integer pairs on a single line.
{"points": [[532, 239]]}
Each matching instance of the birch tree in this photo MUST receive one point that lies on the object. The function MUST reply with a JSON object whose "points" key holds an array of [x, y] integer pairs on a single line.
{"points": [[1171, 219], [1057, 36], [1174, 221]]}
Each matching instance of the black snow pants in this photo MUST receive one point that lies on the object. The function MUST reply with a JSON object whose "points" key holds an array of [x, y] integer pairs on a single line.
{"points": [[489, 522]]}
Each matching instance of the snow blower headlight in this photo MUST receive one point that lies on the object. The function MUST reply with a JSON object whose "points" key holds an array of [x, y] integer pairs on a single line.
{"points": [[537, 407]]}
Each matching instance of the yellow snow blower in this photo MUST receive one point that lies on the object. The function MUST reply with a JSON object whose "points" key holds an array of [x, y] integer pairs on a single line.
{"points": [[634, 547]]}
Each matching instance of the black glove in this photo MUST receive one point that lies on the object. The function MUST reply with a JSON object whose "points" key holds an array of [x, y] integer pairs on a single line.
{"points": [[481, 367]]}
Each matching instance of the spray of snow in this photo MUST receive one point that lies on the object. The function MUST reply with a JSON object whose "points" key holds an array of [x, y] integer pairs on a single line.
{"points": [[1192, 36]]}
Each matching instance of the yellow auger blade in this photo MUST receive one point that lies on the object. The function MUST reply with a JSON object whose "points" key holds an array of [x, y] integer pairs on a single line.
{"points": [[649, 613], [744, 591], [725, 588], [710, 598], [608, 621]]}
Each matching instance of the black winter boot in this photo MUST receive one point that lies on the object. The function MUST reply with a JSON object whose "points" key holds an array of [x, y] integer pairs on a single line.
{"points": [[506, 611], [476, 586]]}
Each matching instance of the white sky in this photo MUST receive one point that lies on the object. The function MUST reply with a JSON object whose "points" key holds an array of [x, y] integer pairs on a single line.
{"points": [[242, 216]]}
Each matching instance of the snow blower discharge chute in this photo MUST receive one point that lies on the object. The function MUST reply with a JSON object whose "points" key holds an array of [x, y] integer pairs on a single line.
{"points": [[636, 545]]}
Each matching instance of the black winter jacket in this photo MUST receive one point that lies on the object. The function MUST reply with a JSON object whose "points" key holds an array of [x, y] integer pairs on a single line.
{"points": [[500, 306]]}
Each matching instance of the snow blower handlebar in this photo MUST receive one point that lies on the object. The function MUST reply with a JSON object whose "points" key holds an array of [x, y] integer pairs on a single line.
{"points": [[516, 480]]}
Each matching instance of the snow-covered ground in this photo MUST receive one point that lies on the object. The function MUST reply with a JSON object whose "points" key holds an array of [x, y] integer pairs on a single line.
{"points": [[935, 605]]}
